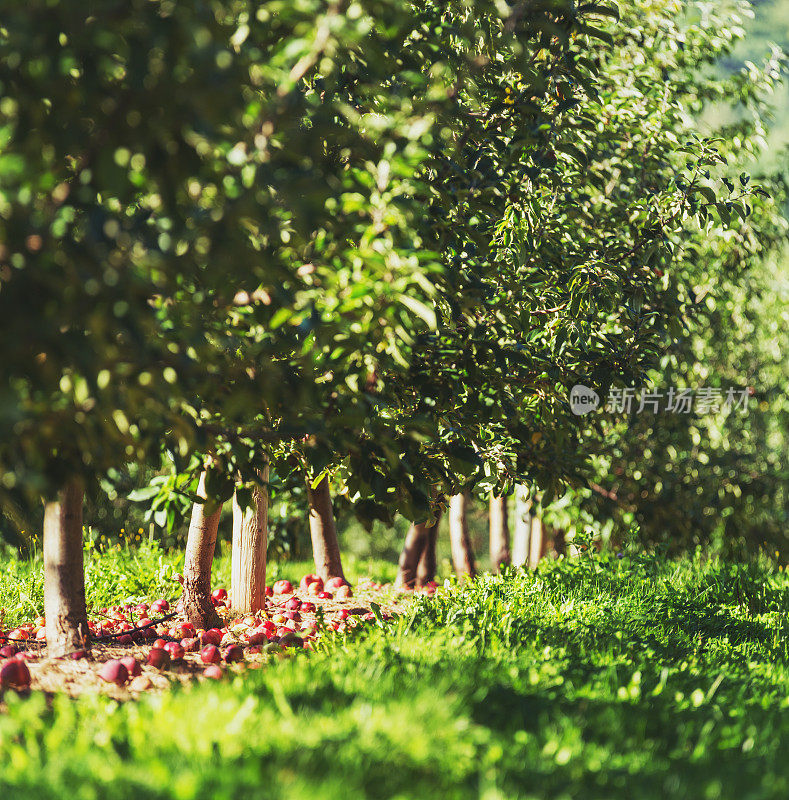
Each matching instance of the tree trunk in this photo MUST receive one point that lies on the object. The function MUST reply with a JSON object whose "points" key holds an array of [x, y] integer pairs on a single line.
{"points": [[499, 533], [462, 552], [64, 575], [325, 547], [522, 527], [535, 545], [411, 554], [250, 539], [426, 570], [200, 545]]}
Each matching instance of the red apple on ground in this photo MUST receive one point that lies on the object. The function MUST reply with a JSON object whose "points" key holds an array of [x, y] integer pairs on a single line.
{"points": [[325, 596], [132, 666], [308, 608], [15, 673], [114, 672], [160, 643], [212, 636], [175, 650], [304, 583], [158, 657], [316, 587], [213, 671], [220, 595], [78, 654], [234, 653], [294, 604], [8, 650], [210, 654], [269, 592], [283, 587], [333, 584], [291, 640], [190, 645], [160, 606], [344, 592]]}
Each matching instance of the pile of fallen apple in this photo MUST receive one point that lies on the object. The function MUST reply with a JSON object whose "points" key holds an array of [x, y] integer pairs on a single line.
{"points": [[292, 619]]}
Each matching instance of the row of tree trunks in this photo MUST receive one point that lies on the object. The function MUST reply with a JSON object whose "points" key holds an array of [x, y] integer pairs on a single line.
{"points": [[417, 565], [498, 520], [521, 538], [460, 542], [200, 545], [250, 541], [64, 574], [323, 532]]}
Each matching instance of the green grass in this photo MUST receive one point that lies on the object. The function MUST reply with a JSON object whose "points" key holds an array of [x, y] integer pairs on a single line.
{"points": [[593, 678]]}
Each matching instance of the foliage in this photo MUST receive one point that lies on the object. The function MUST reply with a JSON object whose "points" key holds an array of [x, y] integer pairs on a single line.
{"points": [[600, 677], [710, 475]]}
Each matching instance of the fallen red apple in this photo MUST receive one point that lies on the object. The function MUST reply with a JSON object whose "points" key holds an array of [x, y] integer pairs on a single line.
{"points": [[304, 583], [333, 584], [325, 596], [15, 673], [187, 630], [258, 636], [283, 587], [175, 650], [316, 587], [234, 653], [291, 640], [160, 643], [344, 592], [269, 592], [210, 654], [190, 645], [158, 657], [294, 604], [212, 636], [308, 608], [213, 671], [160, 606], [114, 671], [132, 666], [220, 595], [7, 650], [78, 654]]}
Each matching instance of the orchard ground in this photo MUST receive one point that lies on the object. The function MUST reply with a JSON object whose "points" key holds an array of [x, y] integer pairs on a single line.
{"points": [[593, 677]]}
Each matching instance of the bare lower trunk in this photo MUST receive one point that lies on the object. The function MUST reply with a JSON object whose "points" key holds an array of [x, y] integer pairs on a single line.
{"points": [[535, 545], [462, 552], [410, 555], [200, 545], [426, 571], [64, 576], [250, 539], [499, 533], [325, 547], [521, 528]]}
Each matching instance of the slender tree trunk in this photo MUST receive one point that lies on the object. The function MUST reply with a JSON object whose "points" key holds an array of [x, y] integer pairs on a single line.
{"points": [[499, 532], [325, 547], [411, 554], [250, 539], [426, 570], [535, 545], [64, 575], [200, 545], [521, 528], [462, 552]]}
